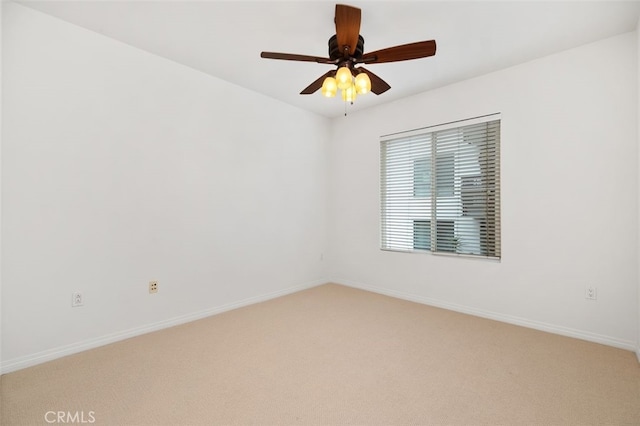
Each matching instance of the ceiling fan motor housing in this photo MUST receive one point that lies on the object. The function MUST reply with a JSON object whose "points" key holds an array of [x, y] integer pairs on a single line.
{"points": [[336, 53]]}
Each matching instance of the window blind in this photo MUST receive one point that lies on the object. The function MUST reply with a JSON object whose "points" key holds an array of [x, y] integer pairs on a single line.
{"points": [[440, 189]]}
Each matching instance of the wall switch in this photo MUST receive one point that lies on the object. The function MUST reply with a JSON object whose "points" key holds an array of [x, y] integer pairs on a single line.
{"points": [[591, 293], [76, 300], [153, 286]]}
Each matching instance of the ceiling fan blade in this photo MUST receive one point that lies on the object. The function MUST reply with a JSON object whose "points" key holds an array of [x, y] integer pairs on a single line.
{"points": [[313, 87], [347, 27], [378, 85], [294, 57], [420, 49]]}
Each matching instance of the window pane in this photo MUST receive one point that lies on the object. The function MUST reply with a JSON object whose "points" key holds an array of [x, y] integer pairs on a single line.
{"points": [[422, 234], [422, 177], [445, 175], [398, 187], [445, 237]]}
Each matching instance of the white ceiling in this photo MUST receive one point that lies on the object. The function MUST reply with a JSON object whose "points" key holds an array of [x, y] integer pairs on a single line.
{"points": [[225, 38]]}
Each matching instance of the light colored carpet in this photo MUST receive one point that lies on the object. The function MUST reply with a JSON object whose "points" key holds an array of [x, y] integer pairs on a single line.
{"points": [[337, 356]]}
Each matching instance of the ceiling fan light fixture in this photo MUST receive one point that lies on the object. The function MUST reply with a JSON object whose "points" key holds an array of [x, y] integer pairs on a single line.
{"points": [[344, 77], [346, 51], [362, 83], [329, 87]]}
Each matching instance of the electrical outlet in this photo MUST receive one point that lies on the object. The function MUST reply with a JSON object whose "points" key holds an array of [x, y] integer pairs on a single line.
{"points": [[591, 293], [153, 286], [76, 300]]}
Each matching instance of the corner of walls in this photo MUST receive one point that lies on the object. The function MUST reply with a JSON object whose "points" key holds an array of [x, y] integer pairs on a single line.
{"points": [[638, 171], [1, 333]]}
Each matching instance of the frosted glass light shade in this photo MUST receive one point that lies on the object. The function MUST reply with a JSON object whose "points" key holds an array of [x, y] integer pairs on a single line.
{"points": [[349, 94], [363, 83], [344, 77], [329, 87]]}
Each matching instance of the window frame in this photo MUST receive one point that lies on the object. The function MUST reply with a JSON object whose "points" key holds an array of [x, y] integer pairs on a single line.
{"points": [[487, 245]]}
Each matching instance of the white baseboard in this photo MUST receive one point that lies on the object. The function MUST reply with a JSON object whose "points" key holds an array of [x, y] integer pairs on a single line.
{"points": [[51, 354], [537, 325]]}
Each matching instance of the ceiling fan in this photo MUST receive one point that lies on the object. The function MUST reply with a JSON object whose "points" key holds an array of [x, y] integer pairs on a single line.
{"points": [[346, 51]]}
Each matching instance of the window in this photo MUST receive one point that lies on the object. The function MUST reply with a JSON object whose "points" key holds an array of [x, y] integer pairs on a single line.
{"points": [[444, 182], [422, 235]]}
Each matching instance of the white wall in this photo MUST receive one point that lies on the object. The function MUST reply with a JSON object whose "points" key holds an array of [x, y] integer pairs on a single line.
{"points": [[1, 329], [638, 100], [120, 167], [569, 196]]}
